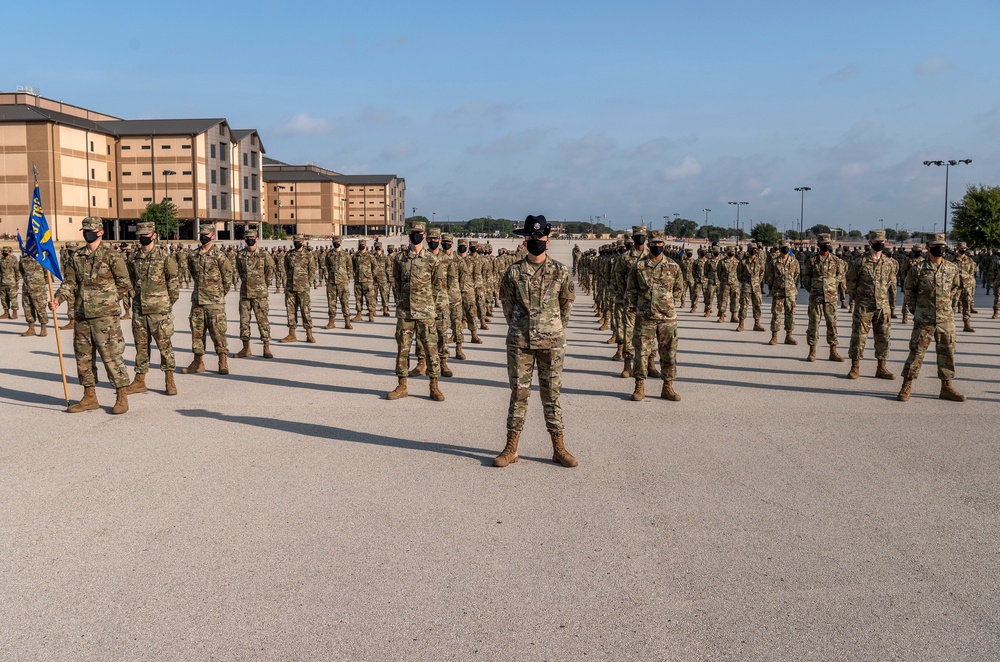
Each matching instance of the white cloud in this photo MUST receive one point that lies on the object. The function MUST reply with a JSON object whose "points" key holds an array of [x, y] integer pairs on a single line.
{"points": [[766, 192], [841, 75], [689, 167], [304, 124], [933, 66]]}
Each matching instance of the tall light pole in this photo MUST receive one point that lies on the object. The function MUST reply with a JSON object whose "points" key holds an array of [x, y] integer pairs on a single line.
{"points": [[706, 210], [166, 191], [947, 166], [666, 222], [738, 205], [802, 210]]}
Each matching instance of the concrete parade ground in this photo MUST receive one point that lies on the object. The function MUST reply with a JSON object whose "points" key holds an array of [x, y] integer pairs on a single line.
{"points": [[288, 511]]}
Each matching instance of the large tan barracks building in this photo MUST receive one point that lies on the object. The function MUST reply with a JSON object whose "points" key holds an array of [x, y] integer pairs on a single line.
{"points": [[312, 200], [92, 164]]}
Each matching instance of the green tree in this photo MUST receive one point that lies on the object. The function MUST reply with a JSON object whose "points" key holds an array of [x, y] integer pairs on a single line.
{"points": [[164, 215], [817, 230], [765, 233], [712, 232], [976, 218], [855, 234], [681, 228]]}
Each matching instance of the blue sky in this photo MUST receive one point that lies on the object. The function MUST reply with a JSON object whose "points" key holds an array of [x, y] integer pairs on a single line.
{"points": [[572, 109]]}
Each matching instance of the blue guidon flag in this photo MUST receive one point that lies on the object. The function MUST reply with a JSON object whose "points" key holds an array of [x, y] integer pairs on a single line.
{"points": [[38, 243]]}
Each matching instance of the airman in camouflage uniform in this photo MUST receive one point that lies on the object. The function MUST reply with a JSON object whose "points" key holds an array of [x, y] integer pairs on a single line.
{"points": [[34, 295], [95, 280], [821, 277], [781, 275], [869, 281], [750, 274], [729, 284], [536, 294], [416, 273], [338, 282], [298, 277], [698, 279], [928, 289], [213, 277], [467, 285], [654, 284], [625, 311], [255, 268], [10, 276], [365, 265], [155, 290], [381, 279], [64, 256], [687, 271], [712, 278], [454, 286], [967, 295]]}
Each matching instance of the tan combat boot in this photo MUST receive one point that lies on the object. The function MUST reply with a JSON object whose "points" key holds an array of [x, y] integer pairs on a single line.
{"points": [[87, 403], [618, 352], [904, 391], [722, 318], [30, 330], [310, 338], [774, 338], [399, 391], [789, 340], [223, 364], [371, 316], [740, 326], [627, 370], [459, 354], [559, 453], [708, 312], [855, 369], [949, 393], [834, 355], [693, 308], [169, 383], [483, 326], [332, 324], [267, 350], [668, 392], [245, 352], [732, 318], [509, 454], [476, 340], [6, 314], [13, 313], [291, 337], [44, 330], [968, 327], [197, 365], [757, 326], [651, 369], [604, 324], [436, 394], [121, 403], [640, 390], [138, 384], [445, 370], [347, 322], [357, 317], [882, 372], [385, 311], [421, 368], [812, 353], [612, 340], [68, 325]]}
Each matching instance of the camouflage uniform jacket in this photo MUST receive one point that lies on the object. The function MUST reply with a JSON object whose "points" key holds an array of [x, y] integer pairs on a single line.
{"points": [[382, 267], [687, 268], [820, 278], [869, 280], [750, 273], [619, 273], [416, 277], [213, 277], [452, 283], [653, 287], [781, 275], [698, 270], [365, 265], [154, 281], [712, 268], [33, 274], [967, 268], [10, 274], [726, 271], [96, 281], [299, 270], [465, 281], [338, 267], [929, 290], [536, 303], [256, 271]]}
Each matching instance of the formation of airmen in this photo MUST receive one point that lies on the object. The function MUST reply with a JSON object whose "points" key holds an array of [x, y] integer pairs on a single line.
{"points": [[440, 290]]}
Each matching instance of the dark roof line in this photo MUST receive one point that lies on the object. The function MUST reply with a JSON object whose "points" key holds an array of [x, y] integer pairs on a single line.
{"points": [[26, 113]]}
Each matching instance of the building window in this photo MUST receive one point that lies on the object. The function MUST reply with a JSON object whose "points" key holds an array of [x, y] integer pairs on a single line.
{"points": [[222, 151], [223, 201], [291, 189], [211, 150], [168, 199], [253, 159], [215, 202], [109, 150], [91, 145], [213, 176], [186, 172], [92, 176], [187, 199], [292, 202], [292, 215], [253, 182], [223, 176], [124, 147], [253, 205], [109, 175], [127, 173], [246, 158], [145, 146], [147, 199], [147, 173], [246, 206], [246, 182], [93, 200], [185, 146], [126, 199], [164, 146], [109, 202]]}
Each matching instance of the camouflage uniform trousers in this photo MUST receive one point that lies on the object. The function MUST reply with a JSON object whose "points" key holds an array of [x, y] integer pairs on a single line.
{"points": [[966, 297], [695, 287], [103, 334], [259, 307], [8, 296], [728, 294], [750, 297], [481, 308], [649, 338], [35, 304], [153, 327], [817, 310], [214, 320], [782, 306], [944, 345], [364, 293], [710, 291], [382, 292], [335, 293], [427, 342], [442, 322], [626, 330], [469, 309], [520, 367], [892, 299], [455, 317], [874, 318], [298, 304]]}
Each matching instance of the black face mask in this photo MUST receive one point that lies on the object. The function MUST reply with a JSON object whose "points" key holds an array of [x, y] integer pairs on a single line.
{"points": [[824, 248], [535, 246], [752, 251], [446, 245], [936, 251], [878, 247], [336, 244], [297, 245], [639, 241], [416, 238], [90, 236], [961, 252], [656, 250], [462, 249], [783, 250], [145, 241], [251, 242], [432, 244], [204, 239]]}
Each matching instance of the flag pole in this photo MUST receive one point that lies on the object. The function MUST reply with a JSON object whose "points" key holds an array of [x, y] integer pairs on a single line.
{"points": [[55, 324]]}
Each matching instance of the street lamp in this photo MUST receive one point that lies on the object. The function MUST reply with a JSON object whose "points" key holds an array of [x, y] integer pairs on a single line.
{"points": [[706, 215], [947, 166], [802, 209], [738, 205]]}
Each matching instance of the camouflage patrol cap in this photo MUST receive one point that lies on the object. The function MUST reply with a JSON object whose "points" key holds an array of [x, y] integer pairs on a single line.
{"points": [[206, 228], [92, 223], [445, 236], [250, 233], [418, 226], [877, 235], [935, 239], [657, 235], [783, 243], [638, 230], [463, 242], [145, 228], [961, 246], [300, 237], [473, 243], [361, 242], [434, 233], [336, 237], [715, 249], [823, 238]]}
